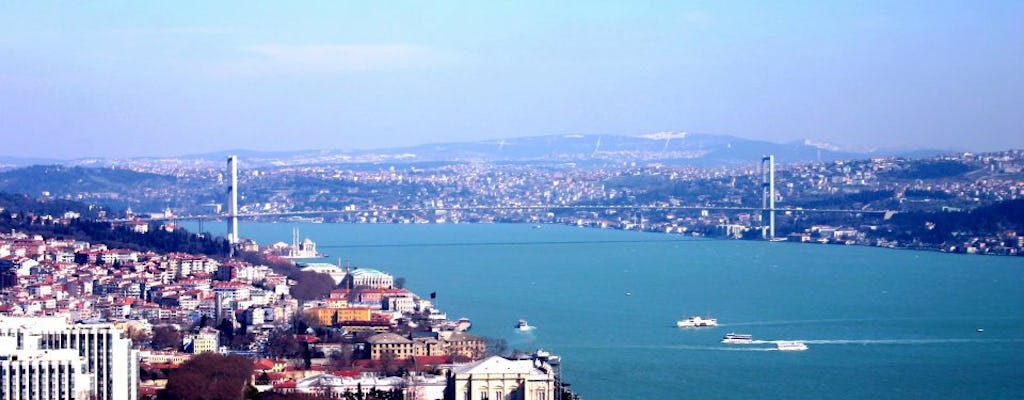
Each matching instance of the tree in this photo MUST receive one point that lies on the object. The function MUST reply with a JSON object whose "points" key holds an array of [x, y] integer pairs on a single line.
{"points": [[283, 345], [139, 336], [341, 359], [400, 282], [227, 330], [263, 379], [209, 376], [310, 285], [496, 346], [166, 337]]}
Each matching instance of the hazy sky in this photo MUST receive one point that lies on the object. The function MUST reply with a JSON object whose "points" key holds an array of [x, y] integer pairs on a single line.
{"points": [[83, 78]]}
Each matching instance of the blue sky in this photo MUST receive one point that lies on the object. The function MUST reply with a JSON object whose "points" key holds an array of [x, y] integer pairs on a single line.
{"points": [[82, 79]]}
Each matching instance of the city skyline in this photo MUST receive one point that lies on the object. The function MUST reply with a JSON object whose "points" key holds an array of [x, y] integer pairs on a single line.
{"points": [[120, 80]]}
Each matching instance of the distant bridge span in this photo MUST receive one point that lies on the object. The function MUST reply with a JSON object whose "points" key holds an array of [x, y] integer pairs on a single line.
{"points": [[767, 208], [504, 208]]}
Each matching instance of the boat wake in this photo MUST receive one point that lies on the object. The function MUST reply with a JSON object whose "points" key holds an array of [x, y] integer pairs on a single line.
{"points": [[862, 320], [904, 341]]}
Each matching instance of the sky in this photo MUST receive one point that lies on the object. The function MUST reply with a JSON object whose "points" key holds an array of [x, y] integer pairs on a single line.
{"points": [[125, 79]]}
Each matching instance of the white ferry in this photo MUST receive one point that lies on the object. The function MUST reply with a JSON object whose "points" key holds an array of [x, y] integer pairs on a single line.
{"points": [[790, 345], [697, 322], [523, 326], [736, 338]]}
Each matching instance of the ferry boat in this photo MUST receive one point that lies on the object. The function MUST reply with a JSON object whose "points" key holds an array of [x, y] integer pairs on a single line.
{"points": [[697, 322], [736, 338], [523, 326], [790, 345]]}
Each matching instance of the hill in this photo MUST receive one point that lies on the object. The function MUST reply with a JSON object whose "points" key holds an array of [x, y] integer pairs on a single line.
{"points": [[59, 180]]}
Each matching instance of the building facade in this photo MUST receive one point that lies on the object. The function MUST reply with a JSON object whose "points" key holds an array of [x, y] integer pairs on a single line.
{"points": [[496, 377], [28, 373], [105, 351]]}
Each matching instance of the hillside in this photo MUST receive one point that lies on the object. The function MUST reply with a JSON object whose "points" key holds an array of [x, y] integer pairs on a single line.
{"points": [[59, 180]]}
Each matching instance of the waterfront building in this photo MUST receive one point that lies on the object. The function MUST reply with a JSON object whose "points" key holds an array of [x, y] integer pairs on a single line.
{"points": [[496, 377], [412, 387], [378, 326], [106, 351], [383, 343], [371, 278], [461, 344]]}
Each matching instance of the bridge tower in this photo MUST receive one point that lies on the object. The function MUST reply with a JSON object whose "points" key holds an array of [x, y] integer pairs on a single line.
{"points": [[768, 197], [233, 200]]}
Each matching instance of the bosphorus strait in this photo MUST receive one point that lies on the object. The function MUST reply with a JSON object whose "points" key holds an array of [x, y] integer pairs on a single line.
{"points": [[883, 324]]}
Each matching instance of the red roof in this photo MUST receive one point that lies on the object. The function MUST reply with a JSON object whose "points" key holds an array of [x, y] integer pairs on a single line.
{"points": [[430, 359], [263, 363], [347, 373]]}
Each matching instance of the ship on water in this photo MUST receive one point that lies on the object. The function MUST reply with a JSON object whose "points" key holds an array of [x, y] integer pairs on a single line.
{"points": [[738, 338], [697, 322]]}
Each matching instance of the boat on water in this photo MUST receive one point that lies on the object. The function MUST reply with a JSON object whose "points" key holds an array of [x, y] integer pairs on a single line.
{"points": [[790, 345], [697, 322], [523, 326], [737, 338]]}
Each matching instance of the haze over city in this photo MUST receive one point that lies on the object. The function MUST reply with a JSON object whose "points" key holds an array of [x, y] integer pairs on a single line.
{"points": [[150, 79]]}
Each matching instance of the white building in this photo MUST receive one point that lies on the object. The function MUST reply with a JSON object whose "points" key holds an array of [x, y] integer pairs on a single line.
{"points": [[371, 278], [106, 352], [33, 374], [423, 387], [496, 377]]}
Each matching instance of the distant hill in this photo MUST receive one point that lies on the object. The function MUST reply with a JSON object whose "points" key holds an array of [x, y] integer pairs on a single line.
{"points": [[59, 180], [665, 147]]}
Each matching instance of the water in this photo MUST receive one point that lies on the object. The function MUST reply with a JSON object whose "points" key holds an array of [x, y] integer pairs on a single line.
{"points": [[880, 324]]}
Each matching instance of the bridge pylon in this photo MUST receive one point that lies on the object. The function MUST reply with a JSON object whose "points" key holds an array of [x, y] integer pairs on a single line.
{"points": [[768, 197], [233, 200]]}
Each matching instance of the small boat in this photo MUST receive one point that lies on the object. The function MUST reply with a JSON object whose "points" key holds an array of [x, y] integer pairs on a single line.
{"points": [[736, 338], [790, 345], [523, 326], [980, 330], [697, 322]]}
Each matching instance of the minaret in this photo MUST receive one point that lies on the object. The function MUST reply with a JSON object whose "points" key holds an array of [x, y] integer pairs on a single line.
{"points": [[233, 200], [768, 197]]}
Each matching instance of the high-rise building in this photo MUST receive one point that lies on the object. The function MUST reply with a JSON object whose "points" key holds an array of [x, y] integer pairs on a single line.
{"points": [[104, 349], [33, 374]]}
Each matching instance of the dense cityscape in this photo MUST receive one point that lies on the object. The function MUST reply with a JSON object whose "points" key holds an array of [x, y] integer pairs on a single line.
{"points": [[316, 331], [452, 200], [324, 330], [892, 202]]}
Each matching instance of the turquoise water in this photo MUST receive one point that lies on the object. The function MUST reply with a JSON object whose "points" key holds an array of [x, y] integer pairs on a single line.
{"points": [[880, 324]]}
